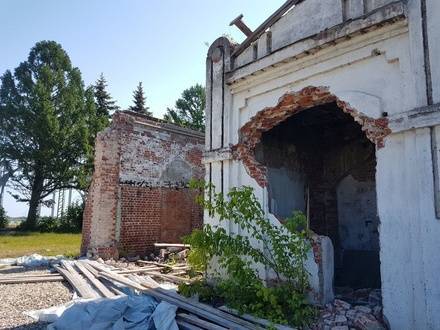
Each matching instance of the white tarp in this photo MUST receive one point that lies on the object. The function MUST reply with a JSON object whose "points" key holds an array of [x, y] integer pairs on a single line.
{"points": [[34, 260]]}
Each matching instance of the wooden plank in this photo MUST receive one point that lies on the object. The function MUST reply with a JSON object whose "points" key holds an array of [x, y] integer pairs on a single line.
{"points": [[78, 283], [152, 263], [100, 267], [210, 309], [199, 322], [98, 285], [152, 283], [178, 273], [213, 312], [186, 326], [89, 267], [139, 270], [18, 275], [95, 272], [254, 319], [202, 310], [73, 282], [32, 280], [172, 278], [186, 246]]}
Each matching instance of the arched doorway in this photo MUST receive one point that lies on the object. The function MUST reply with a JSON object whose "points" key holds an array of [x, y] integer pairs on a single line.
{"points": [[316, 154]]}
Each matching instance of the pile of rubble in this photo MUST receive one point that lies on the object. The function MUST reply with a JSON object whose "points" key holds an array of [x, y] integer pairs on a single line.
{"points": [[353, 309]]}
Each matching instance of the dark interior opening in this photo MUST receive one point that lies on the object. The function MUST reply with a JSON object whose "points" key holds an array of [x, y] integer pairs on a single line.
{"points": [[320, 162]]}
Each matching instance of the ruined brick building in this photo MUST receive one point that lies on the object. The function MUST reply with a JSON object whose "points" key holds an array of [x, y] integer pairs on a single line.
{"points": [[139, 193], [331, 107]]}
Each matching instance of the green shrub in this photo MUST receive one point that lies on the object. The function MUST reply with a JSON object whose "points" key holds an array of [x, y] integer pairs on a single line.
{"points": [[3, 218], [282, 249], [71, 222], [48, 224], [206, 292]]}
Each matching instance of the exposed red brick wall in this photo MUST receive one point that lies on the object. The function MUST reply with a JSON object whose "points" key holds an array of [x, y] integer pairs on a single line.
{"points": [[180, 205], [155, 215], [139, 194]]}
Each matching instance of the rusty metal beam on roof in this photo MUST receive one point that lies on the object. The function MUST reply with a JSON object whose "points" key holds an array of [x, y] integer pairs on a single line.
{"points": [[263, 27], [238, 22]]}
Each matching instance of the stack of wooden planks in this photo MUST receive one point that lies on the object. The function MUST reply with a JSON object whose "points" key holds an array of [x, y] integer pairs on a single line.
{"points": [[191, 314], [30, 278], [92, 279]]}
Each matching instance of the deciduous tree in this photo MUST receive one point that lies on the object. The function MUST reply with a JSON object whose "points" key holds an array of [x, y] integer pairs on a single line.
{"points": [[189, 110]]}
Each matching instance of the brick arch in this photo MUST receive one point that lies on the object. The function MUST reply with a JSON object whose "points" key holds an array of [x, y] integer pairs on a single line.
{"points": [[289, 104]]}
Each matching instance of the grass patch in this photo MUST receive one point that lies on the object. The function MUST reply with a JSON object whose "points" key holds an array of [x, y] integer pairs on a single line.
{"points": [[48, 244]]}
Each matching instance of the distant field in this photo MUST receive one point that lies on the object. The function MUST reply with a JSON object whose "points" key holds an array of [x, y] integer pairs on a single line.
{"points": [[48, 244]]}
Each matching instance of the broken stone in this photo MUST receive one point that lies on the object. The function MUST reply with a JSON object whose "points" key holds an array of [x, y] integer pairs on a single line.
{"points": [[367, 322], [363, 309], [163, 253], [340, 319], [341, 304], [340, 327], [182, 255], [329, 307], [375, 297], [326, 315], [351, 314], [342, 312], [377, 312]]}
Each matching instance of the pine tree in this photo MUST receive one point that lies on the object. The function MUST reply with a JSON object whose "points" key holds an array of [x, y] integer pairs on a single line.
{"points": [[139, 101], [104, 103], [46, 121]]}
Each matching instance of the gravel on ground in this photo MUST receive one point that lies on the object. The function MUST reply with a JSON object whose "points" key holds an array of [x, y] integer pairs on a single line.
{"points": [[18, 298]]}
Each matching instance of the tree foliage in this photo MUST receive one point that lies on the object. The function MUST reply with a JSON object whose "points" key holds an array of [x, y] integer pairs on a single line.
{"points": [[48, 122], [70, 222], [189, 110], [139, 101], [105, 105]]}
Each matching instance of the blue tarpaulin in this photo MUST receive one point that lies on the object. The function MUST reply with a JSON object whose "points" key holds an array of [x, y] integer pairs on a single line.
{"points": [[125, 312]]}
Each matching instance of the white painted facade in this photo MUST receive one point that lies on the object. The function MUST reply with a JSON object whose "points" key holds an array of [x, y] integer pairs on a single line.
{"points": [[380, 57]]}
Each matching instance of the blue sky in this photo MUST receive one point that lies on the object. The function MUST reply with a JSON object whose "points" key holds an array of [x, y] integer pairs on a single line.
{"points": [[161, 43]]}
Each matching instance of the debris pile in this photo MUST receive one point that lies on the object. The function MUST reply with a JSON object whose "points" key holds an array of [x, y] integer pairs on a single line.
{"points": [[97, 282], [355, 309]]}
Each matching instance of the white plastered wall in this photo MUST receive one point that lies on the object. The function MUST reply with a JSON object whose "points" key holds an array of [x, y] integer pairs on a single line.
{"points": [[379, 73]]}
